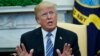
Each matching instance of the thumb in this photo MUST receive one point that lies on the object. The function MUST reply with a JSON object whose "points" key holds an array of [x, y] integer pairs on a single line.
{"points": [[31, 51], [58, 52]]}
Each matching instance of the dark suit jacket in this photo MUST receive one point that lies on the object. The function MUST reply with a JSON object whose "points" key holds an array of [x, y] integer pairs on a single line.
{"points": [[34, 39]]}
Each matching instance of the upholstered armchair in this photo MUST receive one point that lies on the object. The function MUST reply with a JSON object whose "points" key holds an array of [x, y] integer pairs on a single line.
{"points": [[80, 30]]}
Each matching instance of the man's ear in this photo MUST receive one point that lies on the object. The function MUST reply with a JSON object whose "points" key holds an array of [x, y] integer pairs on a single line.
{"points": [[37, 19]]}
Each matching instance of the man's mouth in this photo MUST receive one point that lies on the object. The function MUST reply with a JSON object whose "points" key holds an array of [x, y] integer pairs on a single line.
{"points": [[50, 22]]}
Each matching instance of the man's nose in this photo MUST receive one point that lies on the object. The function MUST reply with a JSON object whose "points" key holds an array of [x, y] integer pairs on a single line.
{"points": [[48, 16]]}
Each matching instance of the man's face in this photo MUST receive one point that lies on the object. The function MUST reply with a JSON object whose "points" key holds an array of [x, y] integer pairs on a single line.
{"points": [[47, 18]]}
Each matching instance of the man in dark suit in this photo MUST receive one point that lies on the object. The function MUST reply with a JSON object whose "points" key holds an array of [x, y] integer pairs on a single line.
{"points": [[48, 39]]}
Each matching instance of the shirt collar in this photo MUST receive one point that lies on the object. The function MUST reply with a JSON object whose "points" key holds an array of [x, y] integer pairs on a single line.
{"points": [[44, 33]]}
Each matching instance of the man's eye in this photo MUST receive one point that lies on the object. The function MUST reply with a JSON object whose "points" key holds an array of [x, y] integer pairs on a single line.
{"points": [[44, 14], [51, 12]]}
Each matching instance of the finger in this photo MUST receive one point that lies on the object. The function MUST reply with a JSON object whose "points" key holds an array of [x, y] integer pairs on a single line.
{"points": [[68, 47], [70, 50], [65, 47], [58, 52], [31, 52], [23, 47], [18, 50]]}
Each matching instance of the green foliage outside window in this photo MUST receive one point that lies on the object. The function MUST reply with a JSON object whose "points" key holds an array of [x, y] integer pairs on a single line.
{"points": [[18, 2]]}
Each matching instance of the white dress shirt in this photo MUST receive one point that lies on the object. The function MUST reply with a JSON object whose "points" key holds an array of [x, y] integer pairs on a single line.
{"points": [[44, 33]]}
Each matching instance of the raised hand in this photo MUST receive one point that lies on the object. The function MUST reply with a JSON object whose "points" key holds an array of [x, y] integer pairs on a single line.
{"points": [[21, 51], [67, 51]]}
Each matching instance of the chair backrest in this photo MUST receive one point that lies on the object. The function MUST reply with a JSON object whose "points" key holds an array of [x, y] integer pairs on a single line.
{"points": [[80, 30]]}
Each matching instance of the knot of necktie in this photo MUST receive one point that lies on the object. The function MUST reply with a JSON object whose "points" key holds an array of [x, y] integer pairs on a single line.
{"points": [[49, 34]]}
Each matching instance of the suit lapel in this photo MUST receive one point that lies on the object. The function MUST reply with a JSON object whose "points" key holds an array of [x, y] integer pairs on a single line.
{"points": [[40, 47], [58, 42]]}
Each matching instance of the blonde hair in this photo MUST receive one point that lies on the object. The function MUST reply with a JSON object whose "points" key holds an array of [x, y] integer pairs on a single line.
{"points": [[43, 5]]}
